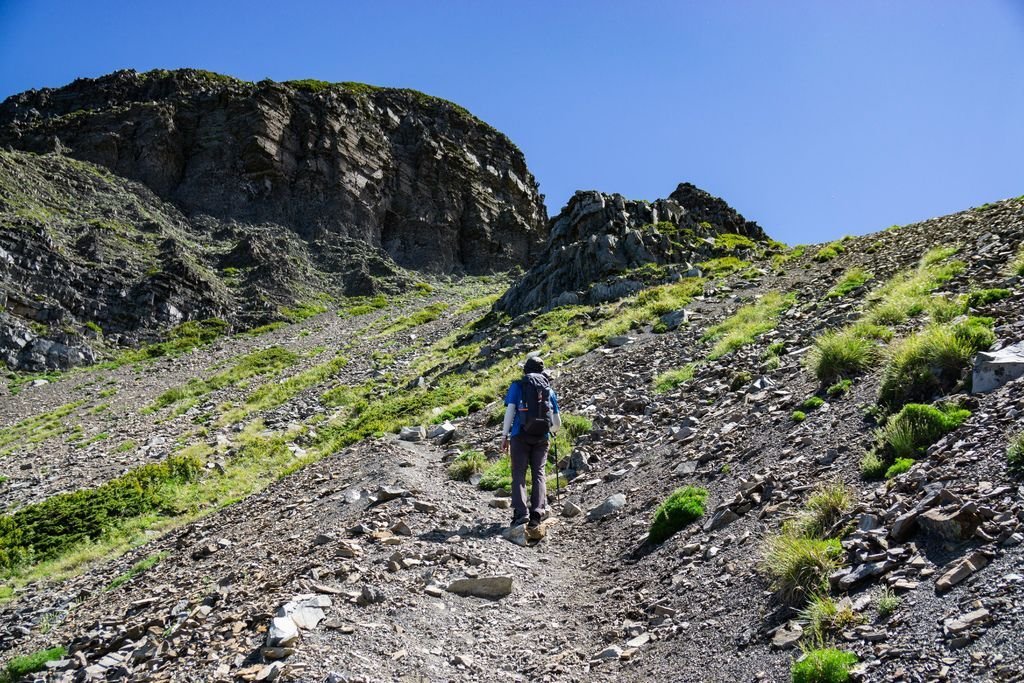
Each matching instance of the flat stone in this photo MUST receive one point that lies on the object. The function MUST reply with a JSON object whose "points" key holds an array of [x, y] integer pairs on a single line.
{"points": [[993, 369], [958, 525], [413, 433], [571, 509], [490, 587], [788, 636], [960, 571], [282, 632], [610, 506], [613, 652], [307, 617], [721, 519]]}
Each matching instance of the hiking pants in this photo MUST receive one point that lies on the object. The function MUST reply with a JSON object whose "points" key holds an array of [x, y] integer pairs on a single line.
{"points": [[534, 455]]}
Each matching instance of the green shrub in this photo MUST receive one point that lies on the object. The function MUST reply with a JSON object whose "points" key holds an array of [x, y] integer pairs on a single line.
{"points": [[839, 388], [1016, 266], [938, 254], [466, 464], [853, 279], [911, 431], [830, 251], [720, 267], [669, 380], [824, 618], [799, 416], [899, 467], [888, 603], [826, 665], [747, 323], [983, 297], [799, 567], [841, 355], [20, 667], [683, 506], [824, 507], [931, 361], [575, 426], [1015, 453], [302, 312], [872, 466], [813, 403]]}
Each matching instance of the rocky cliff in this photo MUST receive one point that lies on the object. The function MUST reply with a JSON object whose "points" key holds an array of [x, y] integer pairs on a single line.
{"points": [[604, 246], [184, 194]]}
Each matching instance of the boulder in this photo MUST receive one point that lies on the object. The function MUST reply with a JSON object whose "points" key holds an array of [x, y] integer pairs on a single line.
{"points": [[993, 369], [414, 433], [611, 505], [489, 587]]}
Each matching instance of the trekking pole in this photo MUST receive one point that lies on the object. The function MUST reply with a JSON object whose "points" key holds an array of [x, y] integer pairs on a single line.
{"points": [[558, 487]]}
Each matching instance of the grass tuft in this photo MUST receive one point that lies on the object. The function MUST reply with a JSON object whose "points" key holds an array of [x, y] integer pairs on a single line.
{"points": [[899, 467], [826, 665], [19, 667], [824, 508], [853, 279], [825, 618], [888, 603], [917, 426], [466, 464], [840, 355], [747, 324], [138, 568], [667, 381], [1015, 453], [799, 567], [683, 506]]}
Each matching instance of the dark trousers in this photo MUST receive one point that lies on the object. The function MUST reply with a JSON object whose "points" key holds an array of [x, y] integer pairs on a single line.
{"points": [[534, 455]]}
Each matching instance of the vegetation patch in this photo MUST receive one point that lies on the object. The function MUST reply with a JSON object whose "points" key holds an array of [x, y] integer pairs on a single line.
{"points": [[303, 312], [262, 362], [36, 429], [466, 464], [1015, 453], [825, 665], [798, 567], [825, 618], [839, 388], [722, 266], [684, 505], [1016, 265], [730, 241], [421, 317], [799, 416], [932, 361], [19, 667], [812, 403], [182, 338], [273, 394], [138, 568], [824, 508], [362, 305], [42, 531], [899, 467], [831, 250], [984, 297], [747, 324], [853, 279], [669, 380], [888, 603], [910, 432]]}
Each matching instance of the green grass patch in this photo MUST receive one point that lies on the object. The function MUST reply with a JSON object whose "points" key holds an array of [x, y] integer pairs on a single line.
{"points": [[730, 241], [262, 362], [824, 508], [19, 667], [1015, 453], [477, 303], [1016, 265], [669, 380], [138, 568], [273, 394], [899, 467], [852, 279], [873, 466], [722, 266], [799, 567], [36, 429], [812, 403], [825, 665], [830, 251], [361, 305], [265, 329], [932, 360], [466, 464], [747, 324], [983, 297], [910, 432], [839, 388], [575, 426], [303, 312], [125, 446], [838, 355], [421, 317], [683, 506], [799, 416], [181, 339], [888, 603], [824, 618]]}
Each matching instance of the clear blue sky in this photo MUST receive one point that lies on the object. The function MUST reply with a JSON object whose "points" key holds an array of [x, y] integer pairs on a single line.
{"points": [[815, 119]]}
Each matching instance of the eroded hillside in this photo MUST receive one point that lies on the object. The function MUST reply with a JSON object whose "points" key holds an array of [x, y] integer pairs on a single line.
{"points": [[855, 495]]}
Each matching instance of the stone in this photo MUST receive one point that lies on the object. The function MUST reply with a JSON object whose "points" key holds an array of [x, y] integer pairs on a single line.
{"points": [[442, 432], [904, 525], [611, 505], [270, 672], [786, 637], [958, 626], [307, 617], [282, 632], [993, 369], [721, 519], [958, 525], [463, 660], [415, 433], [489, 587], [571, 509], [612, 652], [960, 570], [500, 503]]}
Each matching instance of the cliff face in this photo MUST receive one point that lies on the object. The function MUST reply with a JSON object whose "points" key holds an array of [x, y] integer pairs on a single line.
{"points": [[416, 176], [599, 242]]}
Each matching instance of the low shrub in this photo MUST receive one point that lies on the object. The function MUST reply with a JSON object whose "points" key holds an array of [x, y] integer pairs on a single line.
{"points": [[872, 465], [799, 567], [899, 467], [19, 667], [830, 251], [931, 361], [669, 380], [841, 355], [799, 416], [1015, 453], [983, 297], [853, 279], [911, 431], [826, 665], [466, 464], [813, 403], [824, 507], [824, 618], [888, 603], [683, 506], [1016, 266]]}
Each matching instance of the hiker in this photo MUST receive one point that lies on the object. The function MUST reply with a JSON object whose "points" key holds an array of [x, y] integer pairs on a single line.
{"points": [[531, 416]]}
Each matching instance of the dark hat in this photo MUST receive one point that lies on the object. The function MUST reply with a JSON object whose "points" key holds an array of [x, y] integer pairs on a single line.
{"points": [[533, 364]]}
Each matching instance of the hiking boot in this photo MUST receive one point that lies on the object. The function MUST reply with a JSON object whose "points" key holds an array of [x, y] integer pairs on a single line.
{"points": [[519, 521]]}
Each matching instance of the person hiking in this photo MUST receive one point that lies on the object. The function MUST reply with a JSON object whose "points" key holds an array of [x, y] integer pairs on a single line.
{"points": [[531, 416]]}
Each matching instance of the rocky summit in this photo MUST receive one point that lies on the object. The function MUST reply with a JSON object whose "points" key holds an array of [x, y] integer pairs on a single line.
{"points": [[776, 463]]}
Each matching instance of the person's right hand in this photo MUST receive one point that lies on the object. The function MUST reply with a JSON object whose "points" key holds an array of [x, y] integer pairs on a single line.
{"points": [[504, 445]]}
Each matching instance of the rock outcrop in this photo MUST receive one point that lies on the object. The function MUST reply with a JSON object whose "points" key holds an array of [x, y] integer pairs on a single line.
{"points": [[599, 241], [133, 202]]}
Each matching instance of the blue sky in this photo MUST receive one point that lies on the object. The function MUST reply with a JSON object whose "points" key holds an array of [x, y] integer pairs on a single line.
{"points": [[815, 119]]}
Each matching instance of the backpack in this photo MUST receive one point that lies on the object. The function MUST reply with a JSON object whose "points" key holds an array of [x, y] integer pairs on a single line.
{"points": [[536, 396]]}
